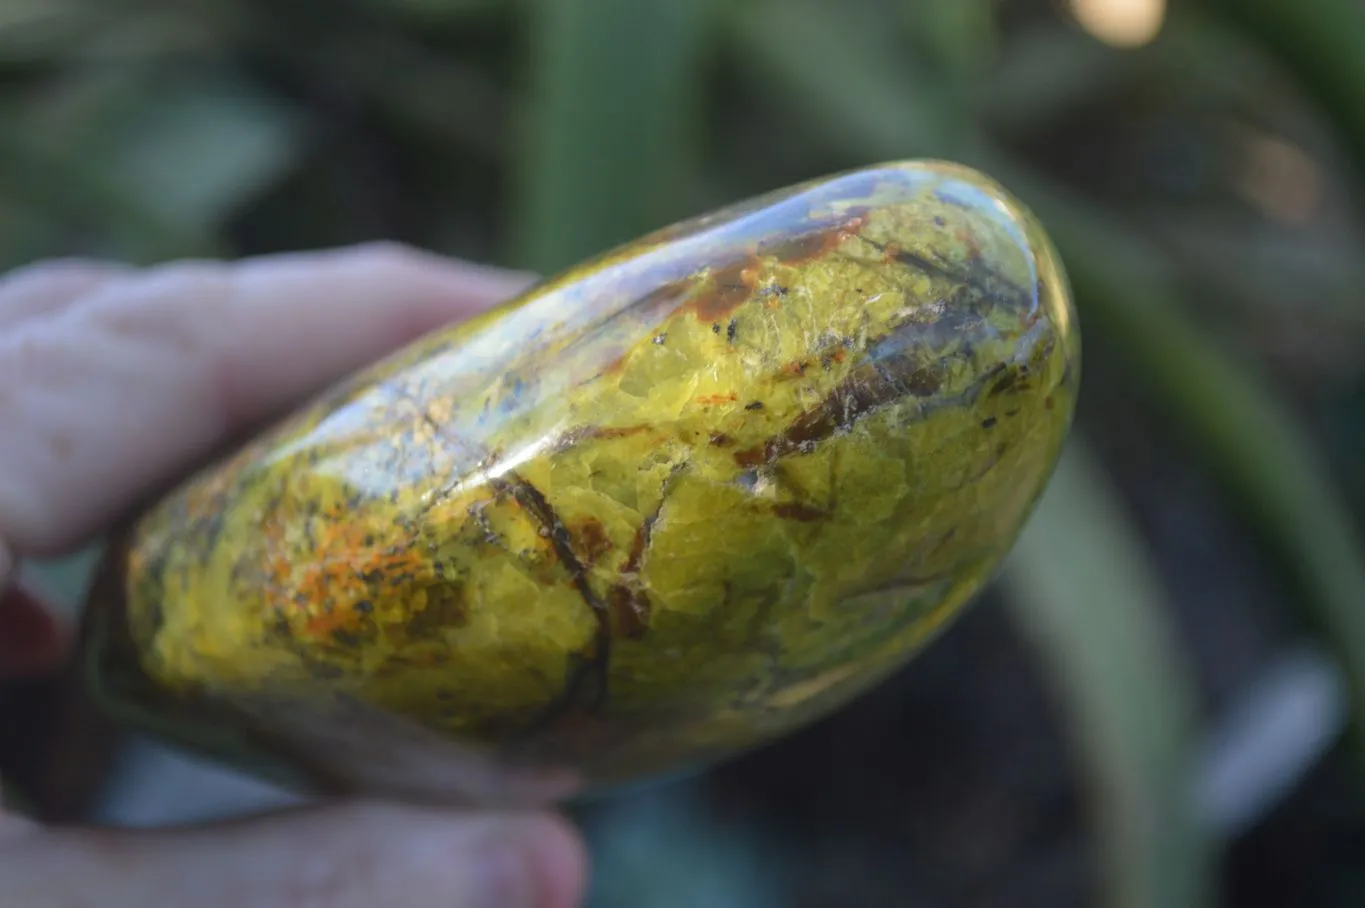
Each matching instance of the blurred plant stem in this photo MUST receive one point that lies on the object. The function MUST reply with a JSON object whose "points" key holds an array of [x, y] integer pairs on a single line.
{"points": [[842, 80], [1096, 616], [958, 40], [611, 108]]}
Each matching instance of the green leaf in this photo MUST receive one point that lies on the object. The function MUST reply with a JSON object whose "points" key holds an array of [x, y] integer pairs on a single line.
{"points": [[195, 149], [1083, 593], [854, 84], [610, 124], [71, 188], [961, 36], [142, 164]]}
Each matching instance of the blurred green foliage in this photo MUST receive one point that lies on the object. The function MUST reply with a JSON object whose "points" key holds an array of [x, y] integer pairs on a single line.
{"points": [[1123, 678], [1204, 191]]}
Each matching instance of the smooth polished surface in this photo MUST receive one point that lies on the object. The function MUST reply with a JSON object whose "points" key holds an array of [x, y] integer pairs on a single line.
{"points": [[666, 506]]}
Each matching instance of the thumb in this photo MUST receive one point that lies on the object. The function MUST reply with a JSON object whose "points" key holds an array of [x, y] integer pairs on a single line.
{"points": [[345, 856]]}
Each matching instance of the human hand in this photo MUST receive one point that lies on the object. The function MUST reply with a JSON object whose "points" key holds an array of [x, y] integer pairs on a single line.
{"points": [[112, 381]]}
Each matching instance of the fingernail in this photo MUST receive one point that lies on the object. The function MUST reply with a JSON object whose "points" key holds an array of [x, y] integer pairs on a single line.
{"points": [[502, 877]]}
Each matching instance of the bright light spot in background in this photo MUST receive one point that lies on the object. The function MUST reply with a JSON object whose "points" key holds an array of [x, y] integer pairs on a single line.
{"points": [[1122, 23], [1277, 177]]}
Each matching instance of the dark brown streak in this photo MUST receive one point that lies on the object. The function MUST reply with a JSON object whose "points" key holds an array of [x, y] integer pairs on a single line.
{"points": [[534, 501], [726, 290], [918, 262], [795, 510], [887, 379], [867, 389], [586, 685], [629, 604], [983, 280], [576, 436]]}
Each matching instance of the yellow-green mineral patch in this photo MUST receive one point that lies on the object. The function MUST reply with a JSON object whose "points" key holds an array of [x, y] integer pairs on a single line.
{"points": [[667, 505]]}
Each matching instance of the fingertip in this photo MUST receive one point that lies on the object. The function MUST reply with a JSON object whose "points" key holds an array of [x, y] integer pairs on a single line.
{"points": [[402, 259], [526, 859], [188, 354], [48, 286], [559, 860], [520, 859]]}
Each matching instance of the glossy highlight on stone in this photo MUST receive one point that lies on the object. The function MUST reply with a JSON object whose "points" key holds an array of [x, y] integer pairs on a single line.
{"points": [[661, 508]]}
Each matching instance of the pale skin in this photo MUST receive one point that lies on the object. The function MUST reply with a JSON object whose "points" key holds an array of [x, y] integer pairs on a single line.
{"points": [[114, 381]]}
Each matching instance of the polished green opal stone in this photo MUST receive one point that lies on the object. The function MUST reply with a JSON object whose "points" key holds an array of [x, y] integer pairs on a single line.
{"points": [[663, 507]]}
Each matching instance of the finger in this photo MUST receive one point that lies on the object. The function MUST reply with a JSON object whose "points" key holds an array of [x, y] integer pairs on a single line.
{"points": [[49, 286], [120, 391], [351, 856]]}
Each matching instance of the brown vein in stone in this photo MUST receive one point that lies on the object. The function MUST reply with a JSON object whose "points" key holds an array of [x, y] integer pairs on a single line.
{"points": [[976, 274], [869, 388], [593, 672]]}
